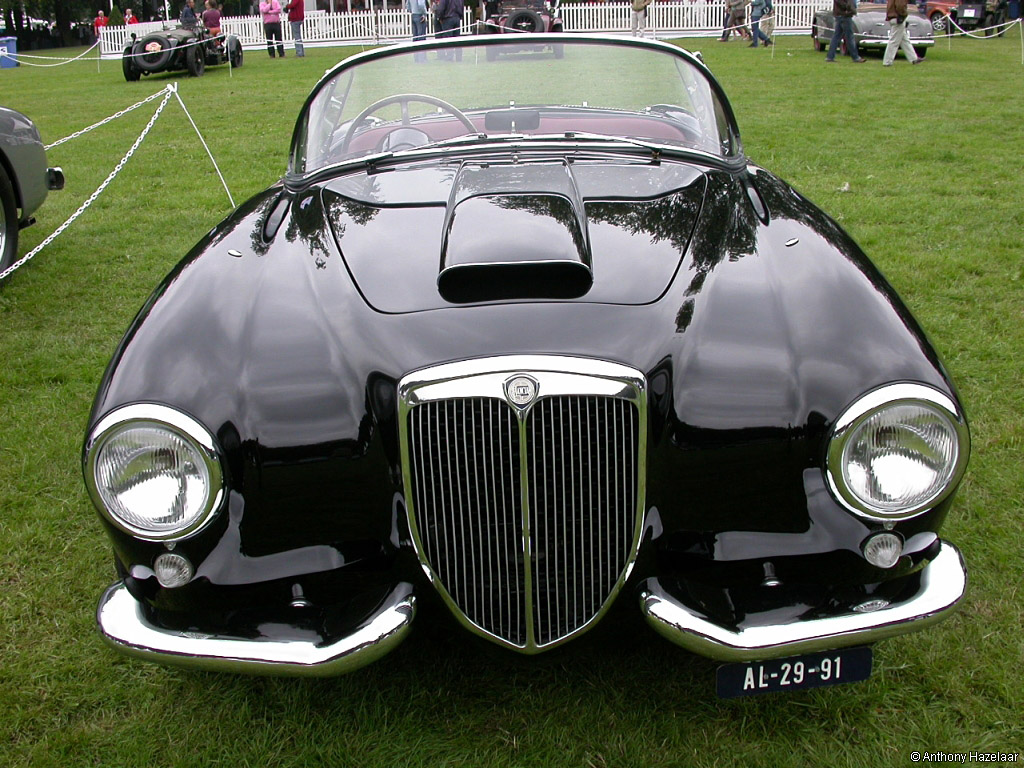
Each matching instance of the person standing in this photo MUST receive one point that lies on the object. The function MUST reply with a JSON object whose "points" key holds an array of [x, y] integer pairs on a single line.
{"points": [[450, 14], [129, 17], [638, 17], [418, 12], [270, 10], [296, 15], [759, 8], [98, 23], [843, 12], [896, 15]]}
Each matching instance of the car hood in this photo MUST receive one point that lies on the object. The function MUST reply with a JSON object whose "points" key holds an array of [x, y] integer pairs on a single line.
{"points": [[478, 232]]}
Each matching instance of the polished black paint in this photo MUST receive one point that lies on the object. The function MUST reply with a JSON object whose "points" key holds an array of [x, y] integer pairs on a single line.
{"points": [[755, 329]]}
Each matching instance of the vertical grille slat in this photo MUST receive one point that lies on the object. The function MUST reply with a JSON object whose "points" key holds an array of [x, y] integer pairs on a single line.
{"points": [[468, 458]]}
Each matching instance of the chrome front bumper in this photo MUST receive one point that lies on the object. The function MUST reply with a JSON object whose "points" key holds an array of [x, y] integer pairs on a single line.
{"points": [[941, 584], [124, 626]]}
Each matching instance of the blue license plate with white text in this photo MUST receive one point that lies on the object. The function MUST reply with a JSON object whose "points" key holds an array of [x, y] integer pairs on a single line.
{"points": [[812, 670]]}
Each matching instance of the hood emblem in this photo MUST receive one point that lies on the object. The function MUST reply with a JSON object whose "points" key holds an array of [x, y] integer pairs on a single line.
{"points": [[521, 390]]}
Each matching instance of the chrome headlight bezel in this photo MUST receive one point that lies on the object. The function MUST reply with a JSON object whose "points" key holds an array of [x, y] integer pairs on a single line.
{"points": [[177, 424], [872, 404]]}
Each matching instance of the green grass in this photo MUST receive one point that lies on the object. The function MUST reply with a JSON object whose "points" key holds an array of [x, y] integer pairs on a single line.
{"points": [[935, 190]]}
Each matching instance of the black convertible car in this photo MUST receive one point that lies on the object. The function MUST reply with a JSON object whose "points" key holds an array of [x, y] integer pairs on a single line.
{"points": [[515, 353]]}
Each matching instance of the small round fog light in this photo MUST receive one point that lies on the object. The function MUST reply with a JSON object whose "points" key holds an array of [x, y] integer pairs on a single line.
{"points": [[883, 550], [172, 570]]}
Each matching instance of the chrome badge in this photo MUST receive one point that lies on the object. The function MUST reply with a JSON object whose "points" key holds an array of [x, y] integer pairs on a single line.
{"points": [[521, 390]]}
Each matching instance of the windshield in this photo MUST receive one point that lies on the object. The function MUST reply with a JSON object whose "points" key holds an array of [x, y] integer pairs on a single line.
{"points": [[492, 88]]}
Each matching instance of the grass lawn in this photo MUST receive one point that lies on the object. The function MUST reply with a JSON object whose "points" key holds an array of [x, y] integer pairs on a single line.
{"points": [[921, 164]]}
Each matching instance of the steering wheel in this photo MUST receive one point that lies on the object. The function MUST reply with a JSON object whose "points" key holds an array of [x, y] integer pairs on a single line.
{"points": [[404, 99]]}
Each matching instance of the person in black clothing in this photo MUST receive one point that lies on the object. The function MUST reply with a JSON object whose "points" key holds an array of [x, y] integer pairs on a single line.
{"points": [[843, 12], [189, 18]]}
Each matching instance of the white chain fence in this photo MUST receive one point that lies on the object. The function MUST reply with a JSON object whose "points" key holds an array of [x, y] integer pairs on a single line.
{"points": [[166, 93]]}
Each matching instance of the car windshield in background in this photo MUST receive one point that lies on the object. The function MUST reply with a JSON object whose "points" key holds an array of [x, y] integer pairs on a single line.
{"points": [[483, 90]]}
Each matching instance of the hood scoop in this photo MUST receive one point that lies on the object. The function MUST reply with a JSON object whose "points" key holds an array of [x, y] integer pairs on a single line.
{"points": [[514, 231]]}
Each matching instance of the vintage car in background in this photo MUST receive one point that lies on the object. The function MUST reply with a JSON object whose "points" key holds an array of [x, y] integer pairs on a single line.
{"points": [[25, 179], [511, 354], [938, 13], [985, 16], [519, 17], [190, 49], [871, 30]]}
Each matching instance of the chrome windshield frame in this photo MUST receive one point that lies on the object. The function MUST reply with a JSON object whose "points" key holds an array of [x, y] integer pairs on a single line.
{"points": [[301, 178]]}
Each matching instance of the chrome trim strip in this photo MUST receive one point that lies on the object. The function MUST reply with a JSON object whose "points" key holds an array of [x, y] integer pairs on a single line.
{"points": [[942, 585], [175, 420], [124, 627], [557, 376], [867, 405]]}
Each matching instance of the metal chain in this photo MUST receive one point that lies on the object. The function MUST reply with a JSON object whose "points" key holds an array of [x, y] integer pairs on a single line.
{"points": [[168, 92], [123, 112]]}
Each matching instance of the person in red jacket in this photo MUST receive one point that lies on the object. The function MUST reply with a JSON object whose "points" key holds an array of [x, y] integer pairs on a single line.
{"points": [[129, 17], [99, 22], [296, 15]]}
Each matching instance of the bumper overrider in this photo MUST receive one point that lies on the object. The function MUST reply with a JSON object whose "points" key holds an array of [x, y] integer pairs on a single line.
{"points": [[930, 595]]}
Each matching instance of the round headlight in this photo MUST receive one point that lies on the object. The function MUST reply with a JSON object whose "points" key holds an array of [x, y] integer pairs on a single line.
{"points": [[154, 471], [897, 451]]}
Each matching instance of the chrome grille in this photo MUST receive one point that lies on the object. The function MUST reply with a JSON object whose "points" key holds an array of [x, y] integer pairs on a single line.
{"points": [[466, 491], [525, 518], [582, 479]]}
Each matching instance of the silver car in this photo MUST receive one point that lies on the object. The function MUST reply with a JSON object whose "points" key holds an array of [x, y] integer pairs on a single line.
{"points": [[871, 30], [25, 179]]}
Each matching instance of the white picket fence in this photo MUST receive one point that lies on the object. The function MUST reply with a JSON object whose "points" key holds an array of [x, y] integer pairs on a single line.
{"points": [[675, 18]]}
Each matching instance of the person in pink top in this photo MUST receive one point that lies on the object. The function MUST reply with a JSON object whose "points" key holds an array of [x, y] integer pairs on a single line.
{"points": [[271, 12]]}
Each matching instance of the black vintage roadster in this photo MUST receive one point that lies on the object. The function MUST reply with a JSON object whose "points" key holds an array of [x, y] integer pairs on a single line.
{"points": [[515, 354], [524, 18], [190, 49]]}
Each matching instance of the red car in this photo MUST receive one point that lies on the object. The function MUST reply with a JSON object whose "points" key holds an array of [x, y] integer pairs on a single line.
{"points": [[936, 11]]}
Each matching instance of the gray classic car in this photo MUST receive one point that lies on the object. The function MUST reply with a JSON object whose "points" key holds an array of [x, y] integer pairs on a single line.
{"points": [[25, 179], [871, 30]]}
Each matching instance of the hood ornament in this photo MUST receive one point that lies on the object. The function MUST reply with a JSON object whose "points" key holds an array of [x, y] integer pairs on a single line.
{"points": [[521, 390]]}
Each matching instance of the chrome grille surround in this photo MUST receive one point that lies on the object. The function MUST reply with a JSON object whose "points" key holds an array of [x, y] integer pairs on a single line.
{"points": [[515, 517]]}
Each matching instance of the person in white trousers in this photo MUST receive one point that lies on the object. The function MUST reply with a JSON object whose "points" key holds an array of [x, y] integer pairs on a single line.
{"points": [[638, 17], [896, 15]]}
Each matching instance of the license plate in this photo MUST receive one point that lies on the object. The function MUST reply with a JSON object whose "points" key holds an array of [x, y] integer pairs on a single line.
{"points": [[970, 13], [812, 670]]}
